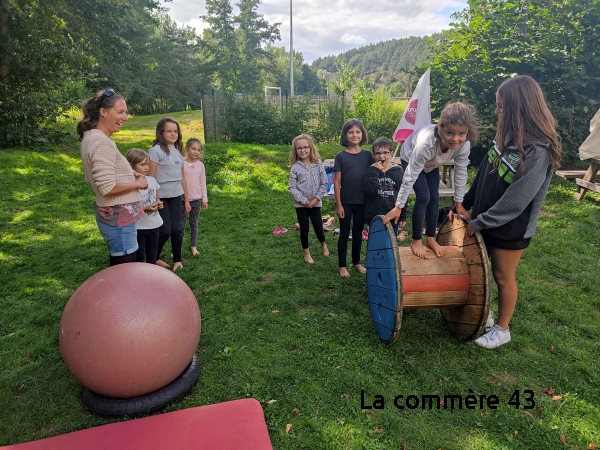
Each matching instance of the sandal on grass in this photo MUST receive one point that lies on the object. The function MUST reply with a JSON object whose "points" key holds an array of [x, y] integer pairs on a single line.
{"points": [[280, 230]]}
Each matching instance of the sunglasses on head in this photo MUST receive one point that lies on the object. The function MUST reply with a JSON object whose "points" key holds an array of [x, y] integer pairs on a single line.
{"points": [[107, 93]]}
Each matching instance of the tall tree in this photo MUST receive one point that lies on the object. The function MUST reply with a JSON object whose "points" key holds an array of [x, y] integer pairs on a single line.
{"points": [[233, 45], [252, 33], [219, 43]]}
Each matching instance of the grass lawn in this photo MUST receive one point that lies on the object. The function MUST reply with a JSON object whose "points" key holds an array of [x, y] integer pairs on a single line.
{"points": [[275, 328]]}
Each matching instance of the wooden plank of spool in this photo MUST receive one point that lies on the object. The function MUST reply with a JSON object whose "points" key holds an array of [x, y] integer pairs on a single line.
{"points": [[453, 263], [468, 321], [422, 300]]}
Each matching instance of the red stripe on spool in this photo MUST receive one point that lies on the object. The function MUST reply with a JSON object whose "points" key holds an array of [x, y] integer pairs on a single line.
{"points": [[435, 283]]}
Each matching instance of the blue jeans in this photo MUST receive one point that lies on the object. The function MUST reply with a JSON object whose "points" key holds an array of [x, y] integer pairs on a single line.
{"points": [[121, 240], [427, 193]]}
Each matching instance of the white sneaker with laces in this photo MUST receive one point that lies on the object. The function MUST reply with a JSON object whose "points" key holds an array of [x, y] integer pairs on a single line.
{"points": [[494, 338], [490, 321]]}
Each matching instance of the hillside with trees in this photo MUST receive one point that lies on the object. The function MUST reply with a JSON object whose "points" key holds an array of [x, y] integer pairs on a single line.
{"points": [[384, 65]]}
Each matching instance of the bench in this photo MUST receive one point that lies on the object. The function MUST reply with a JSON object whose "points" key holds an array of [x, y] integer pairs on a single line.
{"points": [[583, 178]]}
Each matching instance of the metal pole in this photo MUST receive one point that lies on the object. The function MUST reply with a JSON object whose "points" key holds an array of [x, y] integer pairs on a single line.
{"points": [[291, 54]]}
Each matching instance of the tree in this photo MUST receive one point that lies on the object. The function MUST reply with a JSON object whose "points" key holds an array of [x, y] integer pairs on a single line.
{"points": [[219, 44], [554, 42], [233, 45], [252, 32]]}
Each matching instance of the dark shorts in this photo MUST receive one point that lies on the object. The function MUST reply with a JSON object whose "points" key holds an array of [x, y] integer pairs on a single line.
{"points": [[491, 241]]}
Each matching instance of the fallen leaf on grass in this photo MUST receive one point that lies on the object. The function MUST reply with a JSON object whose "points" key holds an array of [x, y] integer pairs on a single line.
{"points": [[551, 349], [377, 430], [540, 409], [338, 367], [592, 446], [556, 398], [391, 380], [563, 439], [17, 397], [21, 387], [295, 411], [549, 390], [528, 413], [288, 427], [270, 402], [404, 446], [275, 311]]}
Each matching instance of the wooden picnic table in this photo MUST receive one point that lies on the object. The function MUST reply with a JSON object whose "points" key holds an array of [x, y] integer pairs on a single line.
{"points": [[583, 178], [446, 179]]}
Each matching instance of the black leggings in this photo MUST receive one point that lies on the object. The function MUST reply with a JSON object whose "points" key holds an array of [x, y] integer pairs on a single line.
{"points": [[171, 227], [356, 214], [427, 193], [116, 260], [303, 214], [147, 245]]}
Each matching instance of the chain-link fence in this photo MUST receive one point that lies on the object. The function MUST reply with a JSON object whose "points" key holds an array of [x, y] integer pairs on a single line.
{"points": [[324, 112]]}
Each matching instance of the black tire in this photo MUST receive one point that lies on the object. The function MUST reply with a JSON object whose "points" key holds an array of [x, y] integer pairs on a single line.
{"points": [[144, 404]]}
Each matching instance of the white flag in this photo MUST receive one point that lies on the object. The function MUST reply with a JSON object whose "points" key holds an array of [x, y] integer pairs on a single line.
{"points": [[418, 111]]}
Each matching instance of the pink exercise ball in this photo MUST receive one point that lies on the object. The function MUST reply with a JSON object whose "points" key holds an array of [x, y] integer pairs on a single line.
{"points": [[129, 330]]}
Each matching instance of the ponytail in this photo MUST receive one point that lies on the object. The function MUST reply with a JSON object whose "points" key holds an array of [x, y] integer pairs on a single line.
{"points": [[91, 110]]}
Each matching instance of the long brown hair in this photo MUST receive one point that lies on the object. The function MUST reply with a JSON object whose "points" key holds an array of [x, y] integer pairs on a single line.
{"points": [[160, 140], [525, 118], [91, 109], [314, 153]]}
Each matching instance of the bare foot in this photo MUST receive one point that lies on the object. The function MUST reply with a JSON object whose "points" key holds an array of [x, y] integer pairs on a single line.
{"points": [[433, 245], [162, 264], [324, 249], [307, 257], [344, 272], [360, 268], [194, 251], [416, 245], [177, 266]]}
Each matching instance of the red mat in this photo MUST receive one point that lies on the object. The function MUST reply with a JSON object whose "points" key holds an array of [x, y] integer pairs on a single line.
{"points": [[235, 425]]}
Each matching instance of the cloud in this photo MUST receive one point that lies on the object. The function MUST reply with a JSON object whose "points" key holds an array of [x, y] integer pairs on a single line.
{"points": [[352, 39], [328, 28]]}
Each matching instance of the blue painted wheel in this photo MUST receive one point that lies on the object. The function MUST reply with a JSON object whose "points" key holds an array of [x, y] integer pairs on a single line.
{"points": [[384, 281]]}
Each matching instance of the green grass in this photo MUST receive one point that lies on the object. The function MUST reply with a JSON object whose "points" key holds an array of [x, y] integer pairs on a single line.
{"points": [[275, 328]]}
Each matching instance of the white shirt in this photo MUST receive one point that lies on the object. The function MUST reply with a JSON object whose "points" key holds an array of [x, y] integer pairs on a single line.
{"points": [[150, 220], [422, 152]]}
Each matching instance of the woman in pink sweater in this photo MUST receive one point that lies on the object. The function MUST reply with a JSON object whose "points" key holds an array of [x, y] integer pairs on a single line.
{"points": [[112, 179]]}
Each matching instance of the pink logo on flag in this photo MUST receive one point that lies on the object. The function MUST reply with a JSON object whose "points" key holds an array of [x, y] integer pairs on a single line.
{"points": [[411, 111]]}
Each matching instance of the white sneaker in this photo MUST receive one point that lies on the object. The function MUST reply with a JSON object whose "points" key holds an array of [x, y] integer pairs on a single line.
{"points": [[494, 338], [490, 321]]}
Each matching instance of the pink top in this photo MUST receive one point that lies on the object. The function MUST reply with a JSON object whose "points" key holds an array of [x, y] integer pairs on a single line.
{"points": [[195, 178]]}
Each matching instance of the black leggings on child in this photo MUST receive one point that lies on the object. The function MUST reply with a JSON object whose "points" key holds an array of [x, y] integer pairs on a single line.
{"points": [[303, 214], [147, 244], [356, 214], [171, 227]]}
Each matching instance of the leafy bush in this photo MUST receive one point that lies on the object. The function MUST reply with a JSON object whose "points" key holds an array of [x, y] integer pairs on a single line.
{"points": [[328, 121], [378, 112], [251, 120]]}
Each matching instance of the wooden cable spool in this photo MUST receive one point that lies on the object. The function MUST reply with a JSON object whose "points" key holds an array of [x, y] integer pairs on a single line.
{"points": [[458, 283]]}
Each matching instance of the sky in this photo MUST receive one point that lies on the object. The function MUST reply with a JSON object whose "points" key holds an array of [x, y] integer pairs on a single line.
{"points": [[330, 27]]}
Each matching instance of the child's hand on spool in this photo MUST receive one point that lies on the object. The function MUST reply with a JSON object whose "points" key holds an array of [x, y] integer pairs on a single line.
{"points": [[394, 215]]}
